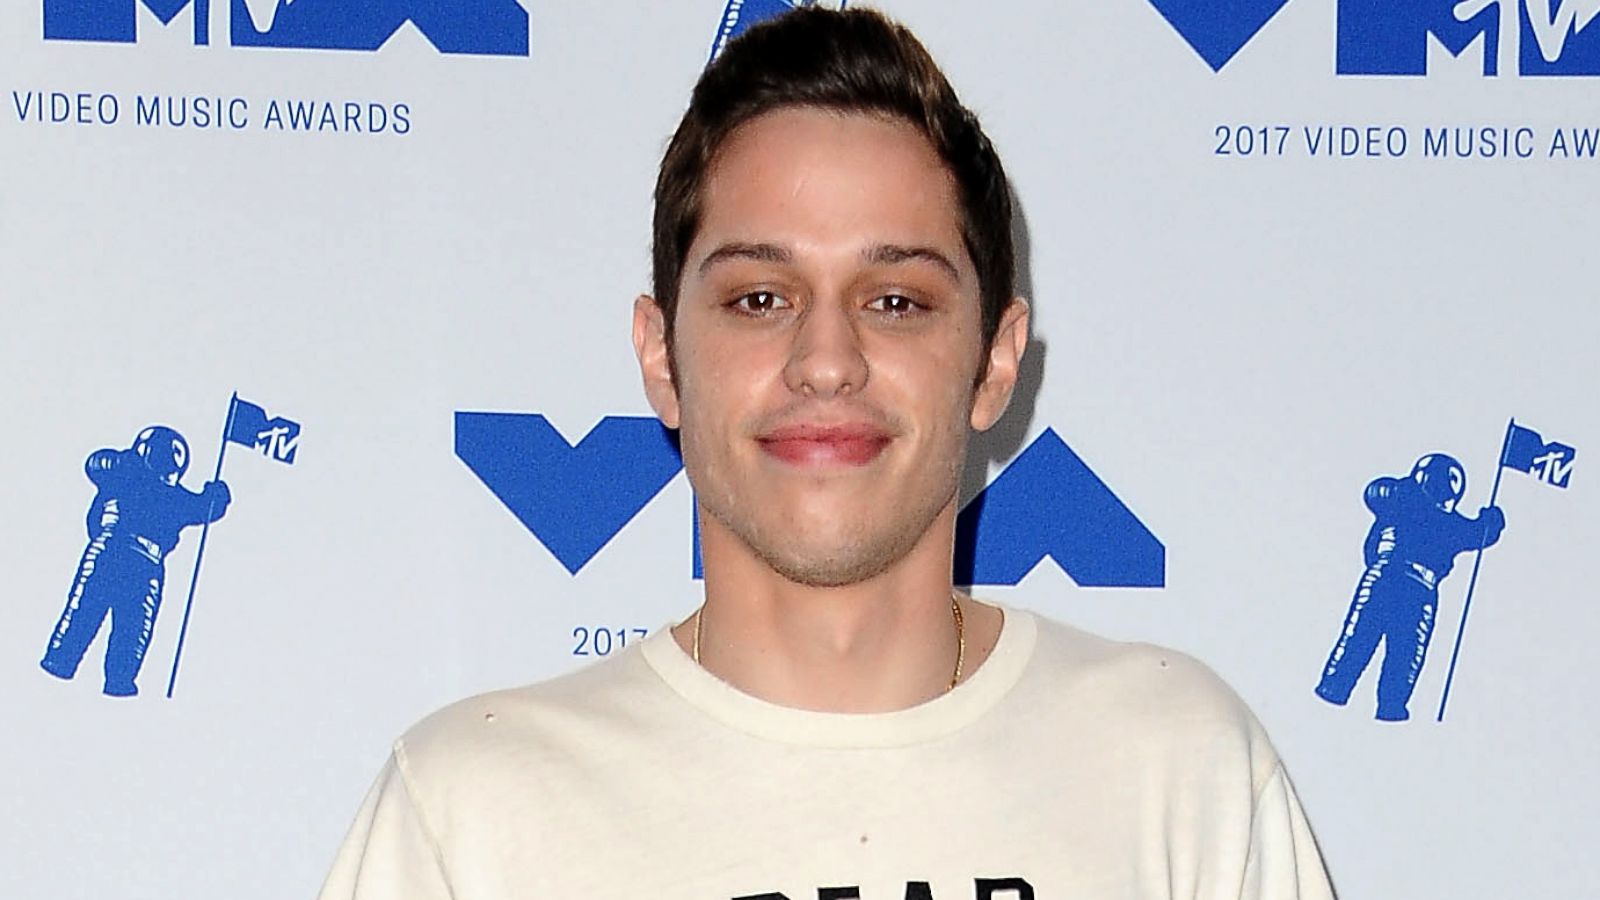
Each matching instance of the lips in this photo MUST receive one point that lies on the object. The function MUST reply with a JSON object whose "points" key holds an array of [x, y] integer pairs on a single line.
{"points": [[825, 445]]}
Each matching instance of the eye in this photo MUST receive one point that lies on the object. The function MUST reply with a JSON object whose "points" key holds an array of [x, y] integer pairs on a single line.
{"points": [[895, 305], [759, 302]]}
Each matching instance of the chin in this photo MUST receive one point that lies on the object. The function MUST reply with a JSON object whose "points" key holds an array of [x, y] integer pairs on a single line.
{"points": [[822, 538], [836, 560], [828, 570]]}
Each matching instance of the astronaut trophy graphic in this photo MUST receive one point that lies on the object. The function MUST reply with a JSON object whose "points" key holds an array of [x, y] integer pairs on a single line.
{"points": [[1411, 547], [138, 512]]}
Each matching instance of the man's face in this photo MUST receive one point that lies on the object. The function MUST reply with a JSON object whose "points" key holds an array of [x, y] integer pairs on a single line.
{"points": [[827, 345]]}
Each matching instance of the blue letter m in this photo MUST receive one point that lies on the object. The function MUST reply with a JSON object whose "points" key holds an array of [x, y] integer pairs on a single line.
{"points": [[491, 27], [1390, 37], [112, 21]]}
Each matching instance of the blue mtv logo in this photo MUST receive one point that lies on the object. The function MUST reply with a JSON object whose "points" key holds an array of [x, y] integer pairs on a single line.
{"points": [[1525, 37], [487, 27], [1396, 37], [575, 498]]}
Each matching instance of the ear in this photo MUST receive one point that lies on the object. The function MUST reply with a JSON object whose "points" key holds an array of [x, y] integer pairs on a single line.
{"points": [[655, 361], [1005, 359]]}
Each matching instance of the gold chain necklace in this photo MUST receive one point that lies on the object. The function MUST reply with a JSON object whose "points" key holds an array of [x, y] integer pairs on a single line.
{"points": [[955, 613]]}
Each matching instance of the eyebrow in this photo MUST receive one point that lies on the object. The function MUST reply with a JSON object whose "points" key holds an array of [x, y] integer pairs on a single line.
{"points": [[878, 254], [891, 254], [768, 253]]}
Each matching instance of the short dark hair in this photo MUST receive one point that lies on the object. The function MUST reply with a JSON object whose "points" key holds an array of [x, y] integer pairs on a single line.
{"points": [[855, 61]]}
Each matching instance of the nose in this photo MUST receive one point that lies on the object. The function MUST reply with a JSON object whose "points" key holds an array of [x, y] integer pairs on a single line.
{"points": [[826, 358]]}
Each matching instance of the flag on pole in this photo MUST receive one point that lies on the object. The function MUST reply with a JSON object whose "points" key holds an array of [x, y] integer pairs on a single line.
{"points": [[1526, 451], [246, 424], [249, 424]]}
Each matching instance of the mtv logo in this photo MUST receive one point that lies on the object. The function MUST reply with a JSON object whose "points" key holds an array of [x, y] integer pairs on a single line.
{"points": [[1553, 468], [275, 438], [741, 14], [1512, 37], [279, 442], [574, 498], [485, 27]]}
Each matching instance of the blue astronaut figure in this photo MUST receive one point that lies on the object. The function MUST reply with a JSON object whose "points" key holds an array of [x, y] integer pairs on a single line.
{"points": [[1410, 548], [138, 511]]}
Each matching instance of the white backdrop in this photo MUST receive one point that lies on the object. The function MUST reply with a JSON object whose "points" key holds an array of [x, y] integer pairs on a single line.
{"points": [[1236, 344]]}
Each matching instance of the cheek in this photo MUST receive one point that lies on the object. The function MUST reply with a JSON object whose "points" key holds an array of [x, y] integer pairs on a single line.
{"points": [[713, 410], [957, 418], [939, 386], [727, 378]]}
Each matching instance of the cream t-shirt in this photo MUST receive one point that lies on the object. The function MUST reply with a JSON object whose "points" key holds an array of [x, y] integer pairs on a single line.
{"points": [[1066, 766]]}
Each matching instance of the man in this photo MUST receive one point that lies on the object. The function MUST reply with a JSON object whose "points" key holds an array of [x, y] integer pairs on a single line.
{"points": [[832, 316]]}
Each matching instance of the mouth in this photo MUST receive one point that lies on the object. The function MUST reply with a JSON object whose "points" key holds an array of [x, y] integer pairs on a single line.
{"points": [[825, 445]]}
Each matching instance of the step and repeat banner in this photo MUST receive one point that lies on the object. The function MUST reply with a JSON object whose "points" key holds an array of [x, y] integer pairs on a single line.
{"points": [[324, 413]]}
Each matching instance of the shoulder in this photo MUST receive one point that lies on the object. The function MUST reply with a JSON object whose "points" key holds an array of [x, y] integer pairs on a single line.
{"points": [[1145, 676], [1152, 700], [531, 755], [528, 728]]}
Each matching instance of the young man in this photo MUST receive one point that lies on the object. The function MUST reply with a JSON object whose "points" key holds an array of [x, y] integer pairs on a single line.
{"points": [[832, 316]]}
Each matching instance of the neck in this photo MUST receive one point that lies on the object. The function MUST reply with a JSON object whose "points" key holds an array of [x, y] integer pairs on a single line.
{"points": [[886, 643]]}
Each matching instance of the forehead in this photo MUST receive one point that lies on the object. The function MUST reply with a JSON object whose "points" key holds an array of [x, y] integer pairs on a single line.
{"points": [[821, 179]]}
